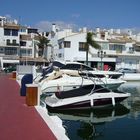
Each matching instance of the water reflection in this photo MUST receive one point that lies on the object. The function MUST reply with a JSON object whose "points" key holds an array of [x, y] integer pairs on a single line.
{"points": [[134, 100], [91, 122], [94, 115]]}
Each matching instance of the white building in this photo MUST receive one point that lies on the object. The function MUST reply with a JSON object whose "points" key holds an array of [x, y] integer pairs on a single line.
{"points": [[119, 47], [19, 44], [16, 42]]}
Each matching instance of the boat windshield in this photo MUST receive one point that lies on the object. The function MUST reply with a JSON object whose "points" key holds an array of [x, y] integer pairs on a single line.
{"points": [[79, 66]]}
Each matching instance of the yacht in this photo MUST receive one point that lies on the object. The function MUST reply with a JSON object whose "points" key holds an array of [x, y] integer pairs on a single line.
{"points": [[129, 74], [84, 97], [68, 80], [73, 67], [80, 66]]}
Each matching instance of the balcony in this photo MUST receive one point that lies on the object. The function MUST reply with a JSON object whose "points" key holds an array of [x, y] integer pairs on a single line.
{"points": [[12, 44], [131, 50], [118, 51]]}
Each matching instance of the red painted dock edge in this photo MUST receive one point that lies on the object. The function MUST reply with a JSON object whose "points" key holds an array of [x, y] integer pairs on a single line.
{"points": [[17, 120]]}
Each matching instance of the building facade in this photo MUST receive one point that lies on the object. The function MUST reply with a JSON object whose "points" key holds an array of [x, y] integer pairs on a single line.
{"points": [[17, 43], [120, 50]]}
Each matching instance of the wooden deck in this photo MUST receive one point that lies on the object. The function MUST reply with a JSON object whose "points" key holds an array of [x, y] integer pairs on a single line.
{"points": [[17, 120]]}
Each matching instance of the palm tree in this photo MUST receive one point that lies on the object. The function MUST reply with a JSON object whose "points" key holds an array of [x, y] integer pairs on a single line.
{"points": [[90, 42], [43, 43]]}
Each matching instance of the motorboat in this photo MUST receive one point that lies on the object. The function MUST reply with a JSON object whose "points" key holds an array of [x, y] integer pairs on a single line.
{"points": [[73, 67], [94, 71], [131, 77], [129, 74], [87, 96], [67, 80]]}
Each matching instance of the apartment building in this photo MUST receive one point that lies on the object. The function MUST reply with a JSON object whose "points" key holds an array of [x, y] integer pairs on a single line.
{"points": [[17, 43], [119, 49]]}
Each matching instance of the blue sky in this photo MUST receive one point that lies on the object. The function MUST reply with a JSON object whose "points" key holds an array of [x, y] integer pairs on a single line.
{"points": [[78, 13]]}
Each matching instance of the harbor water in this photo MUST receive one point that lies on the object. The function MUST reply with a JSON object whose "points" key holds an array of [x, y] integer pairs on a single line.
{"points": [[120, 122]]}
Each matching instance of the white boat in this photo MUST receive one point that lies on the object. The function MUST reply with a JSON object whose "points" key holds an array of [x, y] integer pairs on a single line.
{"points": [[89, 96], [74, 67], [131, 77], [129, 74], [83, 67], [67, 80]]}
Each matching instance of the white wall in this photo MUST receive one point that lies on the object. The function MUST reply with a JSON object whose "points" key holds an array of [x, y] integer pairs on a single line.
{"points": [[73, 51]]}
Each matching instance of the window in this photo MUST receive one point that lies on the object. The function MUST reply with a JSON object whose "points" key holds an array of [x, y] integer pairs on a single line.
{"points": [[82, 46], [104, 46], [59, 55], [25, 52], [117, 47], [76, 67], [14, 42], [60, 45], [22, 43], [8, 41], [23, 30], [10, 32], [14, 32], [32, 30], [67, 44], [10, 51], [7, 32], [131, 50], [1, 50]]}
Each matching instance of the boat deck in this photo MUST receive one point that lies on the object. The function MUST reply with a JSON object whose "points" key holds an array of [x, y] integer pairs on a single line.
{"points": [[17, 120]]}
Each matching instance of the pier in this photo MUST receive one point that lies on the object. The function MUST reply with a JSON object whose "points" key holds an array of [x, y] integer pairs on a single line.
{"points": [[17, 120]]}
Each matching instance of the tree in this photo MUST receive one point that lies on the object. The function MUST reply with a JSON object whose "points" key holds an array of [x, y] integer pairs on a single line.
{"points": [[43, 43], [90, 42]]}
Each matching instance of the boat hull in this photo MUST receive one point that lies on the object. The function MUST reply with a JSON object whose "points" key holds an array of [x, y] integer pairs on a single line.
{"points": [[131, 77], [52, 86], [90, 101]]}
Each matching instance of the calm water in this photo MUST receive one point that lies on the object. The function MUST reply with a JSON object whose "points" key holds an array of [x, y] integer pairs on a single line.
{"points": [[121, 122]]}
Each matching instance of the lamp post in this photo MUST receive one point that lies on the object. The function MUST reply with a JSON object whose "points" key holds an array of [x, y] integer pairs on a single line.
{"points": [[101, 54]]}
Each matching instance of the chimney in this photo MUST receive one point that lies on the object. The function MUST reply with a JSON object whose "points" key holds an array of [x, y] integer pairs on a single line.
{"points": [[2, 20], [54, 27], [111, 31], [84, 30], [97, 29], [129, 32], [118, 31]]}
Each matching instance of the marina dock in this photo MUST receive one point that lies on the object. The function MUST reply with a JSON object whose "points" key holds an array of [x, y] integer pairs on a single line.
{"points": [[17, 120]]}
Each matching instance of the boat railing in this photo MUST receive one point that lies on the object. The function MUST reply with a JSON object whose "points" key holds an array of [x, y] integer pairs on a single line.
{"points": [[89, 75], [94, 78]]}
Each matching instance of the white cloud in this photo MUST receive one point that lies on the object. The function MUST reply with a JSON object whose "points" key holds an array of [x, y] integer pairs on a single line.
{"points": [[76, 15], [8, 16], [134, 30], [47, 25]]}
